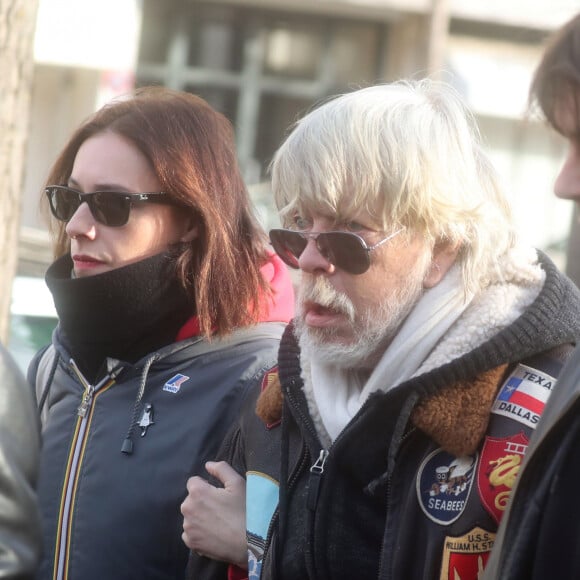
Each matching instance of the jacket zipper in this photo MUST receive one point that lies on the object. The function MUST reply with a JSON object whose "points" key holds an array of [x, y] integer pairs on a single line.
{"points": [[315, 478], [61, 553], [299, 466], [314, 483], [381, 575], [317, 468]]}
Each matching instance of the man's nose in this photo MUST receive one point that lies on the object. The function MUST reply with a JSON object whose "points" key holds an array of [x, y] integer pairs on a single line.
{"points": [[567, 184], [311, 260]]}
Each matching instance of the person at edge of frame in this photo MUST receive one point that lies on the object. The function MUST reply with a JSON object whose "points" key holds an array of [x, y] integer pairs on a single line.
{"points": [[540, 534], [20, 538]]}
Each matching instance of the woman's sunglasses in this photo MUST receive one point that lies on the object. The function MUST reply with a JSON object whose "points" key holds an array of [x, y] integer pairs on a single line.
{"points": [[345, 250], [110, 208]]}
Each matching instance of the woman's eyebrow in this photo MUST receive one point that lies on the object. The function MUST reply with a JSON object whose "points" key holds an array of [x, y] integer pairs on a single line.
{"points": [[101, 186]]}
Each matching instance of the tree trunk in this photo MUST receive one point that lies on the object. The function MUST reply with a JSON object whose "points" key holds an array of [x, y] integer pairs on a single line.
{"points": [[17, 24]]}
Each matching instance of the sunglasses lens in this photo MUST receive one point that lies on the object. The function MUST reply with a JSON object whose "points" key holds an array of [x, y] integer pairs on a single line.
{"points": [[63, 203], [345, 250], [288, 245], [110, 209]]}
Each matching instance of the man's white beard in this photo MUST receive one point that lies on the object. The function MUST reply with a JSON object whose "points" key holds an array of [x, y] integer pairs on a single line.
{"points": [[373, 328]]}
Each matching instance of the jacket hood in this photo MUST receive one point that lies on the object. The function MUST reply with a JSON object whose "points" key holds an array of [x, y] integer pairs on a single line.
{"points": [[277, 308]]}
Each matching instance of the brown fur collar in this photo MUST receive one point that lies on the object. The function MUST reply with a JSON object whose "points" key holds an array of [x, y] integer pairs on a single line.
{"points": [[456, 418], [269, 405]]}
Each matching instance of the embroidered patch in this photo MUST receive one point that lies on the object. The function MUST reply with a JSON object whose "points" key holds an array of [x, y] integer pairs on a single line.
{"points": [[443, 485], [466, 556], [499, 465], [261, 502], [174, 384], [524, 395]]}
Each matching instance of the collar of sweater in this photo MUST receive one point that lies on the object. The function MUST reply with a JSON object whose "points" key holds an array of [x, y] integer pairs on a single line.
{"points": [[124, 314]]}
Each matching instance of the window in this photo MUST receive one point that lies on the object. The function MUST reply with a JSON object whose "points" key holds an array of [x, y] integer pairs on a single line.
{"points": [[260, 68]]}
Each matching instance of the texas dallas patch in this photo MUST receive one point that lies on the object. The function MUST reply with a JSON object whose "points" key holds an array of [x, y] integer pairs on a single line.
{"points": [[443, 485], [524, 395]]}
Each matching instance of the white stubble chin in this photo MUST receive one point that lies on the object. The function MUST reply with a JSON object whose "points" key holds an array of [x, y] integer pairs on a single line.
{"points": [[369, 332]]}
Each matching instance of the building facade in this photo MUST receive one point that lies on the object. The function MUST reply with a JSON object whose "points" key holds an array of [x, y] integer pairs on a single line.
{"points": [[263, 63]]}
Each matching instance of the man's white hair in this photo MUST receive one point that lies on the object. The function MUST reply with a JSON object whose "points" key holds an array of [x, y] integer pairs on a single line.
{"points": [[409, 153]]}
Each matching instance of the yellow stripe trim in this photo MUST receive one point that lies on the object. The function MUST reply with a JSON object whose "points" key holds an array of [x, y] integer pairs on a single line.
{"points": [[68, 475]]}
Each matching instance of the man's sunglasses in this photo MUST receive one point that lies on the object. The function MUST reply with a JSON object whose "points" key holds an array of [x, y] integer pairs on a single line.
{"points": [[345, 250], [110, 208]]}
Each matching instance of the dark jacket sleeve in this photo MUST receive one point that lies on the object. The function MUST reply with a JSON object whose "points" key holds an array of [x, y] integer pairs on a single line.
{"points": [[199, 567], [19, 451], [232, 450]]}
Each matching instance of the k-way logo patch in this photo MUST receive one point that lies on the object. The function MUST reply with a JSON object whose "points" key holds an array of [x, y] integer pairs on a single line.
{"points": [[524, 395], [443, 485], [174, 383]]}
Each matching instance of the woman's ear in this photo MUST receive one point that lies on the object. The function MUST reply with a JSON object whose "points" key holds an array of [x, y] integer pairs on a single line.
{"points": [[442, 258], [190, 234]]}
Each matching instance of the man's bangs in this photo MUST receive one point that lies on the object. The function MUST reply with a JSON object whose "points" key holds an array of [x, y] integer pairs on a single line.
{"points": [[304, 203]]}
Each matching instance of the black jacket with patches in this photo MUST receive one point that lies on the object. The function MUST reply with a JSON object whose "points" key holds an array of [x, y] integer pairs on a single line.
{"points": [[415, 485]]}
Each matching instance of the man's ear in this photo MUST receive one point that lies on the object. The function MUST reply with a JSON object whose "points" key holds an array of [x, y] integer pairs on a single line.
{"points": [[442, 258]]}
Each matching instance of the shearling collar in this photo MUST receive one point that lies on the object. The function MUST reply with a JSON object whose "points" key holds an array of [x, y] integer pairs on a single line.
{"points": [[456, 393], [456, 417]]}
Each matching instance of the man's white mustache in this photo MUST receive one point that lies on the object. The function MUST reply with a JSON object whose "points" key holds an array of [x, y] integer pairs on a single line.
{"points": [[320, 291]]}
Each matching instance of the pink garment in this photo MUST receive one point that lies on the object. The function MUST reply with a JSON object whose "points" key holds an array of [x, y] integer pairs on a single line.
{"points": [[280, 307]]}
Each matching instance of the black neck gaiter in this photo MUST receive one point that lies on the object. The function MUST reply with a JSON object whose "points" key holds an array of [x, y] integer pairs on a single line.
{"points": [[125, 314]]}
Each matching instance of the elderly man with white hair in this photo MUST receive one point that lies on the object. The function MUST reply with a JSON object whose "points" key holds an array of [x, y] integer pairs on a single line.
{"points": [[427, 340]]}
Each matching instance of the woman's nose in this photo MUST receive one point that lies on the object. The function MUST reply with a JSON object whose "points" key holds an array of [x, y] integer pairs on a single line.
{"points": [[82, 223]]}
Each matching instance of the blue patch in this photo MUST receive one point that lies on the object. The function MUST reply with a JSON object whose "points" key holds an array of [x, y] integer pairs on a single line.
{"points": [[174, 383], [443, 485], [261, 503]]}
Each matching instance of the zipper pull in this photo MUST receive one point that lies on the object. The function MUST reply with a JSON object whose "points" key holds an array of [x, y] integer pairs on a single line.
{"points": [[86, 401], [316, 471]]}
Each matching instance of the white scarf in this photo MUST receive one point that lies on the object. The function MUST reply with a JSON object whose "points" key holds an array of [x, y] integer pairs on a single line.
{"points": [[428, 337]]}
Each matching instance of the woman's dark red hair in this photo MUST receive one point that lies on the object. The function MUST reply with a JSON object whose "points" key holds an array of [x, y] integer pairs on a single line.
{"points": [[191, 148]]}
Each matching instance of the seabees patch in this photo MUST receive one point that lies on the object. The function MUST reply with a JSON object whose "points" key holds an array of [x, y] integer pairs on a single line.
{"points": [[524, 395], [443, 485], [465, 556]]}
